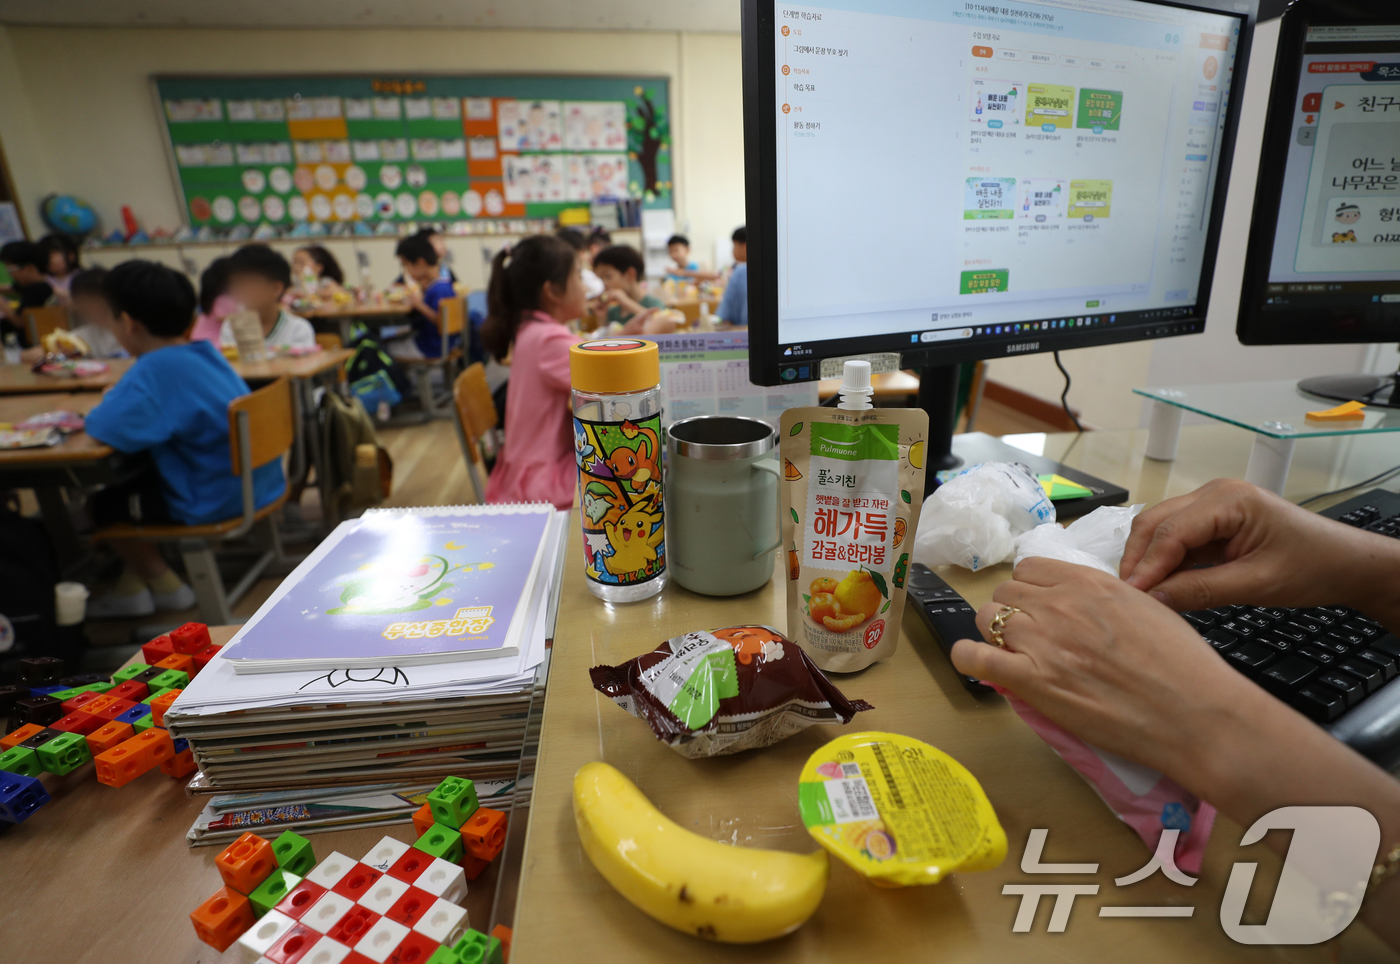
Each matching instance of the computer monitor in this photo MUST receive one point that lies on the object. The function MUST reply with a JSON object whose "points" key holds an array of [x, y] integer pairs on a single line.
{"points": [[1323, 264], [937, 181]]}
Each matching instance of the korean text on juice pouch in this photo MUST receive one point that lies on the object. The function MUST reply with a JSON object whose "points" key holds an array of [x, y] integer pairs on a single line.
{"points": [[853, 483]]}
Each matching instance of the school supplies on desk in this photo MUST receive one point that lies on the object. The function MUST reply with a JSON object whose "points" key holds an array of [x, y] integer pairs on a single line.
{"points": [[406, 587]]}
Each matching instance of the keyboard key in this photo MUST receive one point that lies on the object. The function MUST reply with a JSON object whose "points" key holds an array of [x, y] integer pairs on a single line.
{"points": [[1252, 656], [1319, 655], [1346, 637], [1322, 616], [1256, 618], [1369, 673], [1293, 633], [1333, 645], [1303, 623], [1277, 641], [1202, 619], [1239, 628], [1321, 704], [1274, 612], [1283, 677], [1349, 686], [1387, 663], [1387, 644], [1364, 627], [1221, 640], [1341, 612]]}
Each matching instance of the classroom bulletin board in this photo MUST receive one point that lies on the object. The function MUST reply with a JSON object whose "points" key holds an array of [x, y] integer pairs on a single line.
{"points": [[284, 150]]}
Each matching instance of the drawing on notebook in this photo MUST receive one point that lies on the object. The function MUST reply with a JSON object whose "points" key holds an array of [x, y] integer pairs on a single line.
{"points": [[397, 585], [382, 676]]}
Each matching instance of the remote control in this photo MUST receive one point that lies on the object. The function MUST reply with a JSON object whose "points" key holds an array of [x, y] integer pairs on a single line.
{"points": [[947, 615]]}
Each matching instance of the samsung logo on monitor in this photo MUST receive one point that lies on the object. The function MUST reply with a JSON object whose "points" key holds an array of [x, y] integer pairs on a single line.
{"points": [[1023, 346]]}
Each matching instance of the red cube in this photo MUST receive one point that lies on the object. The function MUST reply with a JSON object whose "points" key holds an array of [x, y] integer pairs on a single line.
{"points": [[81, 700], [79, 722], [411, 907], [411, 865], [202, 658], [157, 649], [111, 709], [350, 928], [190, 638], [300, 898], [415, 947], [357, 882], [130, 690], [473, 866], [294, 944]]}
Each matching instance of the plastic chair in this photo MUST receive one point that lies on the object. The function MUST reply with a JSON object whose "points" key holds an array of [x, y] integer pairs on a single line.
{"points": [[43, 321], [452, 319], [476, 423], [261, 429]]}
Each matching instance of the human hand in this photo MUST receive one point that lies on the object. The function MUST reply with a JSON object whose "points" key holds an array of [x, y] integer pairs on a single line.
{"points": [[1253, 547], [1111, 665], [636, 325]]}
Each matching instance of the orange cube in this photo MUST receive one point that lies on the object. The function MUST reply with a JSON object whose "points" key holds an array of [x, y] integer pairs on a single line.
{"points": [[503, 934], [180, 765], [484, 833], [14, 739], [473, 866], [162, 703], [102, 702], [246, 862], [223, 918], [422, 817], [114, 733], [178, 661], [79, 701], [126, 761], [112, 708]]}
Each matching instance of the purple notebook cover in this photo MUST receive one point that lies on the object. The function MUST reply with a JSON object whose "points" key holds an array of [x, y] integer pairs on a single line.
{"points": [[405, 585]]}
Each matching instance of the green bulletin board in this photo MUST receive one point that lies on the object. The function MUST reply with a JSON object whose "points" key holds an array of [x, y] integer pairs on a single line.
{"points": [[378, 150]]}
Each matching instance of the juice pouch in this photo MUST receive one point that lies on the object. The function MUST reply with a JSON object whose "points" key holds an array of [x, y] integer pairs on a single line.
{"points": [[853, 483], [897, 810]]}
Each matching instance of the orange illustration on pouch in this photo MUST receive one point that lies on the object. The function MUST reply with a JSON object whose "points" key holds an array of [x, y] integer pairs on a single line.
{"points": [[842, 606]]}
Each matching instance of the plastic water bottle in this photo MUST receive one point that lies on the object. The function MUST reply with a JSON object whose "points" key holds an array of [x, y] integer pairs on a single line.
{"points": [[12, 349]]}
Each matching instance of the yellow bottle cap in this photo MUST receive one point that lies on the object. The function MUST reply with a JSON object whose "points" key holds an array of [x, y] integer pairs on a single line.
{"points": [[614, 365]]}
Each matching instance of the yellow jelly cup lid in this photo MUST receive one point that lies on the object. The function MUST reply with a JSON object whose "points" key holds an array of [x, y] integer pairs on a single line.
{"points": [[897, 810], [614, 365]]}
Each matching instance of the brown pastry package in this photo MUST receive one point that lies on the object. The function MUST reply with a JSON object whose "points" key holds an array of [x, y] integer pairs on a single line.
{"points": [[724, 691]]}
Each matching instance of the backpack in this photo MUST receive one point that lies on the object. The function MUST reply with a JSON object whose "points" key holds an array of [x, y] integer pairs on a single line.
{"points": [[375, 377], [28, 574], [349, 484]]}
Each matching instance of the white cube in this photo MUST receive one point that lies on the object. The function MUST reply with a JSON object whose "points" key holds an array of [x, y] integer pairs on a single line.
{"points": [[444, 880], [383, 894], [444, 922], [327, 912], [381, 939], [325, 951], [384, 853], [258, 939], [329, 872]]}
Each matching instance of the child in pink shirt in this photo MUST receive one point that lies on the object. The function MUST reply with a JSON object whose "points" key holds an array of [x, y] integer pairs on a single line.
{"points": [[215, 303], [536, 287]]}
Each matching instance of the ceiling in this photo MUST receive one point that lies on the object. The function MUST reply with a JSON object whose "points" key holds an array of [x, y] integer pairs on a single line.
{"points": [[708, 15]]}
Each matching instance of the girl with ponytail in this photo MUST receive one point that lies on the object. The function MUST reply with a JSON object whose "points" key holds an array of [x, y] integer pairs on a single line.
{"points": [[536, 289]]}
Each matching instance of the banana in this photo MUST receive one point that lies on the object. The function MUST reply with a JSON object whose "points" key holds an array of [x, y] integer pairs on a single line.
{"points": [[736, 895]]}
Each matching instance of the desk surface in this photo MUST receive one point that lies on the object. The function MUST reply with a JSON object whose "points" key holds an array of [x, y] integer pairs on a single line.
{"points": [[78, 447], [302, 366], [114, 879], [356, 311], [751, 799], [23, 380], [887, 385]]}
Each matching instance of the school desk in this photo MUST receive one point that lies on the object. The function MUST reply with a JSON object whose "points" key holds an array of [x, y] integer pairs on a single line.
{"points": [[342, 319], [23, 380], [750, 799]]}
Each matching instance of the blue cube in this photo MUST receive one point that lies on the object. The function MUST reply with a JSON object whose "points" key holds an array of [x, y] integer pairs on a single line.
{"points": [[45, 690], [20, 796], [135, 713], [181, 746]]}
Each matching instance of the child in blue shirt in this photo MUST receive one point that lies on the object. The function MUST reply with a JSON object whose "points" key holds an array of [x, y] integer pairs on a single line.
{"points": [[173, 405], [419, 260], [681, 267]]}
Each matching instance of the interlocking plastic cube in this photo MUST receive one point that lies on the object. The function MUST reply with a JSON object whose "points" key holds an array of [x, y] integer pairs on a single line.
{"points": [[413, 947], [503, 934], [444, 880], [380, 940], [354, 925], [300, 898], [223, 918], [21, 760], [12, 740], [125, 762], [473, 866], [484, 833], [41, 670], [443, 842], [327, 951], [453, 801], [410, 865], [182, 764], [245, 863], [293, 851], [332, 870], [143, 722], [383, 854], [108, 707], [112, 734], [43, 710], [64, 754], [148, 674], [43, 736], [270, 892], [79, 722], [443, 955], [423, 819], [410, 907], [20, 797], [133, 690], [357, 881], [169, 678], [293, 946], [157, 649], [129, 672], [202, 658], [190, 638], [162, 703], [134, 714], [258, 939], [443, 921], [475, 947], [327, 912], [383, 894], [183, 662]]}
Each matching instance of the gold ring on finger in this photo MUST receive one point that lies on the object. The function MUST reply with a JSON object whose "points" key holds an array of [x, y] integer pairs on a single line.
{"points": [[999, 623]]}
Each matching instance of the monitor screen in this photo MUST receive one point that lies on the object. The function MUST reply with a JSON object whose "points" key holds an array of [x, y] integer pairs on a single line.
{"points": [[1332, 248], [962, 180]]}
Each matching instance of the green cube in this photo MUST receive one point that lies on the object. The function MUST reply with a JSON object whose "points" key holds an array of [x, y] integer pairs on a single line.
{"points": [[170, 679], [144, 724], [154, 693], [64, 754], [96, 687], [270, 892], [443, 955], [293, 853], [442, 842], [475, 947], [135, 669], [21, 760], [453, 801], [65, 695]]}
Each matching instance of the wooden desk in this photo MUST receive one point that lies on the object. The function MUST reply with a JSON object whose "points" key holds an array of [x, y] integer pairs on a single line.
{"points": [[110, 876], [78, 447], [889, 386], [341, 320], [750, 799], [298, 367], [22, 380]]}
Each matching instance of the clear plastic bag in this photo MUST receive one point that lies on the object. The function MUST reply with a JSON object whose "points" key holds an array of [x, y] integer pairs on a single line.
{"points": [[973, 520], [1094, 540]]}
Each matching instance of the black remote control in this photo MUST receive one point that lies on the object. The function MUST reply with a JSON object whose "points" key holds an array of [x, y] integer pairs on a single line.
{"points": [[947, 615]]}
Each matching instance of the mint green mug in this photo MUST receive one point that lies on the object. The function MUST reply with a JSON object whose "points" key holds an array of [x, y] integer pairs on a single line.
{"points": [[722, 524]]}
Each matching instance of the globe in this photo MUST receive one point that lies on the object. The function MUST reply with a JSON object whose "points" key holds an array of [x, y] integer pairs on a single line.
{"points": [[68, 215]]}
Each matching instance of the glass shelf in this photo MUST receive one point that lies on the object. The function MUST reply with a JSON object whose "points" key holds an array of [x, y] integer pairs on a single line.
{"points": [[1276, 409]]}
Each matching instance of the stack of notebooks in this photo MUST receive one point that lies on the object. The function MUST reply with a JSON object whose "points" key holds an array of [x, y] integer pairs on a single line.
{"points": [[411, 645]]}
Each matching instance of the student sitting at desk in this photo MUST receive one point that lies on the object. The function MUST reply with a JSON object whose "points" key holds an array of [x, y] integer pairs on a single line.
{"points": [[317, 272], [258, 277], [172, 403], [61, 264], [592, 285], [96, 321], [1109, 660], [419, 260], [734, 306], [26, 262], [215, 303], [621, 269], [681, 267]]}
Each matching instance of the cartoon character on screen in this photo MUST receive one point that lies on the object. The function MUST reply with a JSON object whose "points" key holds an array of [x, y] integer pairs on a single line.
{"points": [[1346, 215], [634, 539]]}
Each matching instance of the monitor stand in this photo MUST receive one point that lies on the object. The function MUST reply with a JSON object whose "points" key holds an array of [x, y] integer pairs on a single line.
{"points": [[1371, 389], [938, 395]]}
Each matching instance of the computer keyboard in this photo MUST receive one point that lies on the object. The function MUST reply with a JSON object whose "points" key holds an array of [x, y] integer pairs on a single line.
{"points": [[1334, 664]]}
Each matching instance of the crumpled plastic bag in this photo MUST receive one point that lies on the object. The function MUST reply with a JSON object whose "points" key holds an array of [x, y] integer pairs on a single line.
{"points": [[973, 520], [1094, 540]]}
